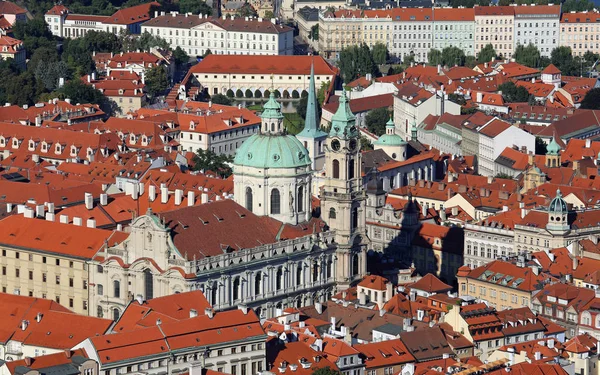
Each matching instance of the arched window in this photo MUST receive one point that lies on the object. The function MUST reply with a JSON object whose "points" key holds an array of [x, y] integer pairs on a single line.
{"points": [[315, 271], [279, 279], [354, 218], [100, 312], [275, 202], [100, 290], [148, 284], [116, 314], [299, 269], [332, 213], [272, 126], [355, 261], [336, 168], [257, 284], [213, 293], [117, 289], [249, 198], [236, 288], [350, 168], [300, 199]]}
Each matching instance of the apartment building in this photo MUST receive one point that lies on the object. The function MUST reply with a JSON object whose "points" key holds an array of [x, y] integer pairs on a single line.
{"points": [[454, 28], [65, 24], [537, 25], [11, 48], [491, 238], [48, 259], [580, 31], [196, 34], [495, 25], [258, 75]]}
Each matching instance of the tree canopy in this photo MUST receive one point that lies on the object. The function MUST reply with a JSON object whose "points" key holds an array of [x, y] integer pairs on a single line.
{"points": [[513, 93], [487, 54], [591, 99], [527, 55], [356, 61], [207, 160], [380, 53], [326, 370], [376, 120], [156, 81], [194, 7], [221, 99]]}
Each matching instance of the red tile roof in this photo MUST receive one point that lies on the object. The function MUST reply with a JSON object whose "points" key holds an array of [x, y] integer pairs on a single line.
{"points": [[263, 64], [385, 353], [551, 69], [374, 282], [507, 274], [454, 14], [45, 363], [131, 15], [56, 238], [362, 104], [494, 10], [7, 7], [494, 128], [430, 284], [538, 9], [580, 17]]}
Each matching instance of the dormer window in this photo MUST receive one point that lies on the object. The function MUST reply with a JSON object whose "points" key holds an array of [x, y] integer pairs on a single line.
{"points": [[192, 125], [73, 151], [15, 143], [2, 141], [58, 149], [144, 140], [120, 91], [132, 138]]}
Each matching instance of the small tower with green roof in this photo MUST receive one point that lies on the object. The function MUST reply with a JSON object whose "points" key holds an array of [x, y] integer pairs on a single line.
{"points": [[391, 143], [343, 196], [553, 154], [312, 136], [558, 215]]}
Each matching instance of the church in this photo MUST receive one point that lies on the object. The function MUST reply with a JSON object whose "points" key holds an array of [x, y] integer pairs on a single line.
{"points": [[265, 249]]}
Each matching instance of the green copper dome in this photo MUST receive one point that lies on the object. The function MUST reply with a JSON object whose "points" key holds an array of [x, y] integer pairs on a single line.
{"points": [[272, 109], [390, 138], [558, 204], [553, 148], [272, 151]]}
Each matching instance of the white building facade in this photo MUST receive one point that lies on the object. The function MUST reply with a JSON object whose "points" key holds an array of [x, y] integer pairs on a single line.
{"points": [[538, 25]]}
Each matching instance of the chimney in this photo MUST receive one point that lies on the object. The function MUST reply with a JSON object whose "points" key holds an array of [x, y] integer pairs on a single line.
{"points": [[151, 192], [164, 193], [479, 97], [50, 216], [490, 179], [178, 196], [244, 309], [191, 197], [455, 211], [103, 199], [319, 308], [39, 210], [588, 143], [89, 201], [77, 221], [64, 219], [91, 223], [29, 213], [135, 191], [193, 313], [209, 312], [50, 207], [362, 297]]}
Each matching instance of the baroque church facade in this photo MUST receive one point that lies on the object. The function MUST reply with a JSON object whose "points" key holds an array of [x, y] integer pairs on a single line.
{"points": [[264, 250]]}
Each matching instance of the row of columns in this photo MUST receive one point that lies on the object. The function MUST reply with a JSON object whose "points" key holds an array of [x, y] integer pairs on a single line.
{"points": [[267, 284]]}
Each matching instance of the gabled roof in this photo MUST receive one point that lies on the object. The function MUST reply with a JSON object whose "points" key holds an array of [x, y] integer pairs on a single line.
{"points": [[430, 284], [385, 353], [49, 364], [263, 64], [131, 15], [7, 7], [551, 69]]}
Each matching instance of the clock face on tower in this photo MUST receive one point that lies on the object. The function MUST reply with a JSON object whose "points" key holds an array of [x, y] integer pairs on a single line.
{"points": [[352, 145], [335, 145]]}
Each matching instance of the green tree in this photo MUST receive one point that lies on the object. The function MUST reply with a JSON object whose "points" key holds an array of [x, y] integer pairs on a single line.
{"points": [[314, 32], [180, 56], [365, 145], [80, 92], [376, 120], [269, 15], [194, 7], [504, 176], [434, 56], [156, 81], [42, 55], [591, 99], [34, 34], [207, 160], [50, 73], [380, 53], [527, 55], [544, 62], [326, 370], [470, 61], [453, 56], [456, 98], [395, 69], [356, 61], [486, 54], [513, 93], [207, 52], [540, 146], [247, 11], [577, 6], [221, 99], [563, 59]]}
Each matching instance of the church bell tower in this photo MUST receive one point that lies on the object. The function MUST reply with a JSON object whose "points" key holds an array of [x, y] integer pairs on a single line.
{"points": [[343, 197]]}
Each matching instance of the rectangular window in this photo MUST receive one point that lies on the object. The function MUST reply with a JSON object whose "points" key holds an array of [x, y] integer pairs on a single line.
{"points": [[71, 282], [17, 254], [57, 280], [70, 302], [3, 271], [44, 260], [58, 262], [17, 272], [30, 275]]}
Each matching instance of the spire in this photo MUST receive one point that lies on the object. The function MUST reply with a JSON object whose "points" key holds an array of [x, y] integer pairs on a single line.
{"points": [[343, 121], [271, 109], [311, 123]]}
